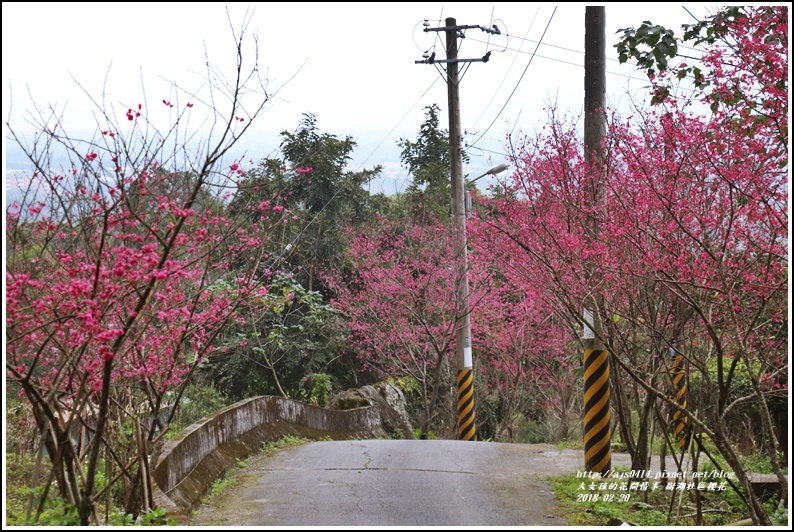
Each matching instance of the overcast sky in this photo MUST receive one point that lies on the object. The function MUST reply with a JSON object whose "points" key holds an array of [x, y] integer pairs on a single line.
{"points": [[351, 64]]}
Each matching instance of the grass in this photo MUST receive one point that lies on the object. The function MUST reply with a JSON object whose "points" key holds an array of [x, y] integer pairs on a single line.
{"points": [[760, 463], [282, 443], [570, 444], [221, 484], [586, 502], [19, 468]]}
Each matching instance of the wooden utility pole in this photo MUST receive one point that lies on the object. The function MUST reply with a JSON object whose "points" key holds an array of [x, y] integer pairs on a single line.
{"points": [[463, 353], [597, 430]]}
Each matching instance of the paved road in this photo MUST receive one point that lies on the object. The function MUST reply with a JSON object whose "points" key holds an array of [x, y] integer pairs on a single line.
{"points": [[396, 483]]}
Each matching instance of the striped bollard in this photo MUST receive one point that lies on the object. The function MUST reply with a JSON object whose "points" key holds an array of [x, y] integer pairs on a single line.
{"points": [[597, 434], [466, 428], [680, 421]]}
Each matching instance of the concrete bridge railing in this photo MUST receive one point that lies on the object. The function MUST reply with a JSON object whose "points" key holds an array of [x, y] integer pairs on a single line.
{"points": [[188, 464]]}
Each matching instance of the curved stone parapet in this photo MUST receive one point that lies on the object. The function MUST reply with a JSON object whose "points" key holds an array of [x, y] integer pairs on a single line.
{"points": [[191, 461]]}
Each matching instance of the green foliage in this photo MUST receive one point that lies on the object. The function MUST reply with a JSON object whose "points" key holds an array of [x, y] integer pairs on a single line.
{"points": [[428, 162], [59, 512], [653, 46], [407, 383], [154, 517], [531, 432], [320, 393], [283, 442], [219, 486], [396, 434], [21, 435], [598, 512], [290, 333], [569, 489], [760, 462], [570, 444], [329, 186], [312, 180], [157, 517], [19, 468], [661, 43], [120, 519], [420, 435], [56, 511], [199, 399], [230, 478], [779, 516], [734, 499]]}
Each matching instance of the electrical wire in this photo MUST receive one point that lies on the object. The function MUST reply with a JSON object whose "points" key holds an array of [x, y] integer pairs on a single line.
{"points": [[690, 14], [490, 25], [519, 79], [438, 33], [292, 245], [413, 37], [581, 52], [392, 129], [571, 63], [491, 151], [504, 25], [509, 69], [558, 47]]}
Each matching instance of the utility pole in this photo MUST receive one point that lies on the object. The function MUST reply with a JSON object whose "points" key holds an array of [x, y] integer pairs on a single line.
{"points": [[463, 353], [597, 429], [466, 427]]}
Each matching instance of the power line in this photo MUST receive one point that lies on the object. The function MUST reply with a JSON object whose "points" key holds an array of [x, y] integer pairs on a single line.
{"points": [[396, 125], [503, 154], [506, 73], [581, 52], [690, 14], [343, 187], [287, 252], [519, 79], [570, 63]]}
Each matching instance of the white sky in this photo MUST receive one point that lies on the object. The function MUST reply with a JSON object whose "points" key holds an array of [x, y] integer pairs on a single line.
{"points": [[350, 63]]}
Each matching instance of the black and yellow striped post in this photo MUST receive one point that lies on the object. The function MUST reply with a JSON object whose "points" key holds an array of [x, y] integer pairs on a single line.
{"points": [[679, 378], [466, 428], [597, 430]]}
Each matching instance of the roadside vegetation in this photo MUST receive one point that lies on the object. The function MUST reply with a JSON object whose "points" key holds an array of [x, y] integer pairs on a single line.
{"points": [[152, 279]]}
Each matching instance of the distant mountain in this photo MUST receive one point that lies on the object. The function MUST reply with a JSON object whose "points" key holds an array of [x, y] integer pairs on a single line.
{"points": [[373, 148]]}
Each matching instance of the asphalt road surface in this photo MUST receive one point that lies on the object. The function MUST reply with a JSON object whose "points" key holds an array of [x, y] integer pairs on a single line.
{"points": [[396, 483]]}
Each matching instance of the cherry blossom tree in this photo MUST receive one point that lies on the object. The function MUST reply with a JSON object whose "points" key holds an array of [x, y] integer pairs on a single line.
{"points": [[523, 352], [399, 298], [693, 252], [117, 275]]}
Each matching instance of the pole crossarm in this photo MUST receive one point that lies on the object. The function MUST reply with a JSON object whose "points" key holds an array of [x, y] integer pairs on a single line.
{"points": [[456, 28], [483, 59]]}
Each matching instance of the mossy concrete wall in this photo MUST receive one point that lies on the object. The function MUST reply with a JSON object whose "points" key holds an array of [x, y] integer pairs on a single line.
{"points": [[190, 463]]}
